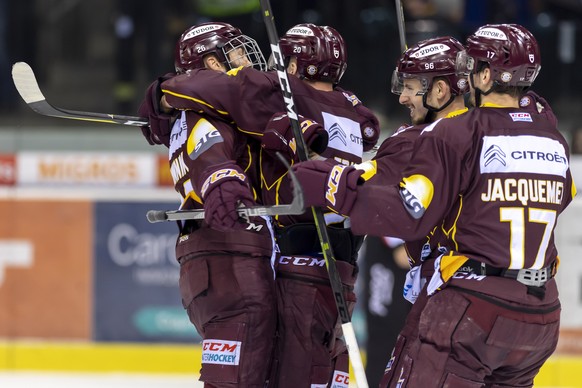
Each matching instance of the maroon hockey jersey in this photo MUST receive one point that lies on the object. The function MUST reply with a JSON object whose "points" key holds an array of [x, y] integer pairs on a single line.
{"points": [[199, 146], [387, 167], [250, 98], [499, 177]]}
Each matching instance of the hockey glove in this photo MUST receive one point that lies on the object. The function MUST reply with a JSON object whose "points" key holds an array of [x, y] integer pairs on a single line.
{"points": [[328, 185], [160, 122], [537, 104], [278, 135], [223, 191]]}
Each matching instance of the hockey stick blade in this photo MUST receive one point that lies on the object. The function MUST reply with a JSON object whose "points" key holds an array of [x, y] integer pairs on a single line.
{"points": [[27, 86], [295, 207]]}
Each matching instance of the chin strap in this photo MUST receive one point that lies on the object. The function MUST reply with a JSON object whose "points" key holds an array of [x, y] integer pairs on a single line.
{"points": [[432, 108], [479, 92]]}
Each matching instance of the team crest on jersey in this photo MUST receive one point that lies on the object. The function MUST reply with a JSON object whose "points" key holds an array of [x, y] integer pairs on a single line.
{"points": [[203, 136], [525, 101], [369, 132]]}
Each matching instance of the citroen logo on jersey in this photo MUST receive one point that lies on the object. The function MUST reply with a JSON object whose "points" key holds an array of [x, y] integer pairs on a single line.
{"points": [[495, 153], [336, 132]]}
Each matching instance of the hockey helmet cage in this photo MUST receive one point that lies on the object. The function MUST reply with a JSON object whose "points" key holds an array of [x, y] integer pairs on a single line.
{"points": [[215, 38]]}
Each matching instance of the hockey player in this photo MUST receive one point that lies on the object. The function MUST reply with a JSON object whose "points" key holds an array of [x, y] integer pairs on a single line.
{"points": [[426, 83], [226, 276], [307, 346], [499, 177]]}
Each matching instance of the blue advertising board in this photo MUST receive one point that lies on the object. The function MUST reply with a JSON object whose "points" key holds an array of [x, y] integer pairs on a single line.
{"points": [[136, 277]]}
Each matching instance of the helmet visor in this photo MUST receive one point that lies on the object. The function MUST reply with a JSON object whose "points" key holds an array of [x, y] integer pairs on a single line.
{"points": [[409, 84], [464, 64]]}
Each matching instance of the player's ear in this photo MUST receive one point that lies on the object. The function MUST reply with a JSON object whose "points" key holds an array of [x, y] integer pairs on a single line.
{"points": [[485, 75], [211, 62], [445, 89]]}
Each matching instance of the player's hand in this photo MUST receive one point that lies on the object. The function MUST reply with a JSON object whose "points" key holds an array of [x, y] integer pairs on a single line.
{"points": [[279, 137], [160, 119], [223, 191], [328, 185]]}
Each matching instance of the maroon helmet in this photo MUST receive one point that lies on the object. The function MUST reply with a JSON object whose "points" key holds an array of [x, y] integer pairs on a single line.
{"points": [[218, 39], [511, 51], [320, 51], [429, 59]]}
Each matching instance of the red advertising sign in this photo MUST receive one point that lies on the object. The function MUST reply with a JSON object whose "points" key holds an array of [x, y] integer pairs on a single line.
{"points": [[7, 169]]}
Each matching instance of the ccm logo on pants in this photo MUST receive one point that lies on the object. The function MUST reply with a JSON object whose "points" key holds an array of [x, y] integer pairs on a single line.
{"points": [[340, 380], [216, 351]]}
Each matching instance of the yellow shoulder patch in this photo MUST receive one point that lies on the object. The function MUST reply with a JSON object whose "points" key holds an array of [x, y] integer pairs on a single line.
{"points": [[202, 128], [419, 186]]}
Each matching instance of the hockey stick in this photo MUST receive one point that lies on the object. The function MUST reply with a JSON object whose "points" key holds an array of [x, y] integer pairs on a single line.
{"points": [[27, 86], [401, 29], [334, 278], [295, 207]]}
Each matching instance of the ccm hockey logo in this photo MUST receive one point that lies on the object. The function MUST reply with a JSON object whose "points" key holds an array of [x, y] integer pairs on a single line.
{"points": [[340, 380], [495, 153], [221, 174], [521, 116], [221, 352], [491, 33], [282, 74], [431, 49], [302, 261], [333, 183]]}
